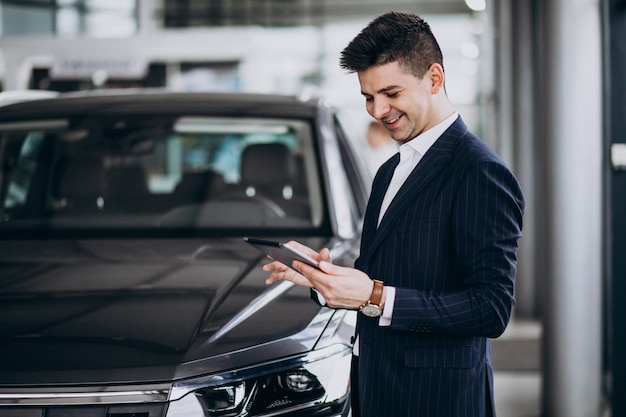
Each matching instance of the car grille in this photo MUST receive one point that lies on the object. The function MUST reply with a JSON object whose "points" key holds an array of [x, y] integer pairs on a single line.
{"points": [[141, 410], [133, 401]]}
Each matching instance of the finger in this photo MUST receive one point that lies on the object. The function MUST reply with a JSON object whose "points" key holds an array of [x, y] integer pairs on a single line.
{"points": [[275, 266], [316, 276], [279, 276], [304, 249], [325, 255], [329, 268], [279, 272]]}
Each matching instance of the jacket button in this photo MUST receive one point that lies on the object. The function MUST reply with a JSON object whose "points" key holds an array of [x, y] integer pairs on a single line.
{"points": [[420, 328]]}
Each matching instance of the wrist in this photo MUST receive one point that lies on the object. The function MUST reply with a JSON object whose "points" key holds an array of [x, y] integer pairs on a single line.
{"points": [[374, 306]]}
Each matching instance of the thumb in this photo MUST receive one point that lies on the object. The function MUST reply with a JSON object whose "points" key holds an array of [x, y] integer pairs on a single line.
{"points": [[327, 267]]}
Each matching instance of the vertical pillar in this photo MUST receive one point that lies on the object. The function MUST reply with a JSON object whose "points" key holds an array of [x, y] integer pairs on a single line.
{"points": [[615, 59], [516, 122], [524, 152], [147, 11], [571, 131]]}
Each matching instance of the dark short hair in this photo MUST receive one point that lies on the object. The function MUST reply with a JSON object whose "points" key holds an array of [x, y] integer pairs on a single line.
{"points": [[393, 36]]}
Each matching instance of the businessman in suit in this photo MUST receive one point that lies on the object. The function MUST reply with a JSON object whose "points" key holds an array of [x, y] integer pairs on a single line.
{"points": [[435, 276]]}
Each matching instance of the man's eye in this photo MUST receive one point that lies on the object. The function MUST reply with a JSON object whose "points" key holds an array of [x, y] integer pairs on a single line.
{"points": [[369, 99], [392, 95]]}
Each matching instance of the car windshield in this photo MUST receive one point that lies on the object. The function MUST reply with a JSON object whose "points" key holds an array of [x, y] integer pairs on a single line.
{"points": [[159, 173]]}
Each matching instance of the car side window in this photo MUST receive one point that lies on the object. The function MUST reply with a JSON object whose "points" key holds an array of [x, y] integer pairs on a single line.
{"points": [[354, 170], [19, 170]]}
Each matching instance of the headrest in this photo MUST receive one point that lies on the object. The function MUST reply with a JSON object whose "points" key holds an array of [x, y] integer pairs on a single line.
{"points": [[79, 177], [128, 180], [194, 184], [267, 164]]}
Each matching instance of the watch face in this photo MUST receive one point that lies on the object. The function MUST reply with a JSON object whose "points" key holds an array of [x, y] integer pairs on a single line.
{"points": [[371, 310]]}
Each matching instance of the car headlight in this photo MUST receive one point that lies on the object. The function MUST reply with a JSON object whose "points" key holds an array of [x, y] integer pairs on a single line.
{"points": [[224, 400], [318, 381]]}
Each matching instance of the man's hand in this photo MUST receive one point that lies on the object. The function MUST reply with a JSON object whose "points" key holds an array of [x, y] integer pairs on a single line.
{"points": [[279, 271], [340, 286]]}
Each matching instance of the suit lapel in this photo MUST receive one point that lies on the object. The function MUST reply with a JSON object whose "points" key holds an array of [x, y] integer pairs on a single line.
{"points": [[379, 186], [429, 168]]}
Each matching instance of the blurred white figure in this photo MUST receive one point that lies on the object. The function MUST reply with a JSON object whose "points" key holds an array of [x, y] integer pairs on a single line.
{"points": [[380, 146]]}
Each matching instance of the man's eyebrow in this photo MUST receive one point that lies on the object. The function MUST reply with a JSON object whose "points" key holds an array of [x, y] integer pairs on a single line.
{"points": [[383, 90]]}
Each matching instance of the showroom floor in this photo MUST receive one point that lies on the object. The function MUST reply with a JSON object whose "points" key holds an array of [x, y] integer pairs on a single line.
{"points": [[517, 370]]}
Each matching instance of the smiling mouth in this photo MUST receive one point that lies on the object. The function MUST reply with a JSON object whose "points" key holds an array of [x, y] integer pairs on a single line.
{"points": [[390, 122]]}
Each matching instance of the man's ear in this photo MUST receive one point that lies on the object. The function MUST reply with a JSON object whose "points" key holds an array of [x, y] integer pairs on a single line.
{"points": [[437, 78]]}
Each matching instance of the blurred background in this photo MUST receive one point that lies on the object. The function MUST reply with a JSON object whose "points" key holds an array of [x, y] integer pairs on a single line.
{"points": [[268, 46], [541, 81]]}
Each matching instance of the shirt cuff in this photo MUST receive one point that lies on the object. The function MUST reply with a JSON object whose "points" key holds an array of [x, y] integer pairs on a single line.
{"points": [[385, 319], [320, 298]]}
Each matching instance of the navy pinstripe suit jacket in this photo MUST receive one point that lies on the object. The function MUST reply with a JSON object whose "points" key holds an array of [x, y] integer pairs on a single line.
{"points": [[448, 244]]}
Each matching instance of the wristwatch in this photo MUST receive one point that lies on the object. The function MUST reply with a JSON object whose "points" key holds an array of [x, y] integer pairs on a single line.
{"points": [[373, 306]]}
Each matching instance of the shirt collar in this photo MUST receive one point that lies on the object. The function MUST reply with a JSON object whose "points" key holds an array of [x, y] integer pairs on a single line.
{"points": [[422, 142]]}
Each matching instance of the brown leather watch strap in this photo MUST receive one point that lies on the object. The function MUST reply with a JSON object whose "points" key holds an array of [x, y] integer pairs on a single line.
{"points": [[377, 293]]}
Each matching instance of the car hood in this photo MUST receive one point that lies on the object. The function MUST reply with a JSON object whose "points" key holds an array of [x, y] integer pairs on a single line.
{"points": [[130, 311]]}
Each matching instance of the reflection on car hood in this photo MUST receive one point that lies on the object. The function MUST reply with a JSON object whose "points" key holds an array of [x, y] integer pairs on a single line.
{"points": [[131, 311]]}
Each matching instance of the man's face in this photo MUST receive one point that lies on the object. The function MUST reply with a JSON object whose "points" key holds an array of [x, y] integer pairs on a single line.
{"points": [[402, 102]]}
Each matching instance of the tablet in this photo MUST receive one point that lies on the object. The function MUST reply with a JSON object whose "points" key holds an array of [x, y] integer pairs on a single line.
{"points": [[281, 252]]}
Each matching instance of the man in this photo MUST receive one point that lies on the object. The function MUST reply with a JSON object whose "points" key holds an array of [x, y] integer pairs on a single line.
{"points": [[436, 271]]}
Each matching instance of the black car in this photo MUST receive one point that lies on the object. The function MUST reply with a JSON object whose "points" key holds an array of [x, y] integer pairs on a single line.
{"points": [[126, 288]]}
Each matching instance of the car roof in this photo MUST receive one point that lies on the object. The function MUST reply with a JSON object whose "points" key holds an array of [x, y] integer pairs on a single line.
{"points": [[159, 101], [16, 96]]}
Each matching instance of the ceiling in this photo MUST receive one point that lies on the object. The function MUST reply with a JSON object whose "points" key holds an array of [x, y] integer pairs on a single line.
{"points": [[191, 13]]}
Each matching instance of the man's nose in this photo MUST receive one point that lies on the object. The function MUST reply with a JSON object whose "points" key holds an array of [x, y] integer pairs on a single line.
{"points": [[379, 108]]}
